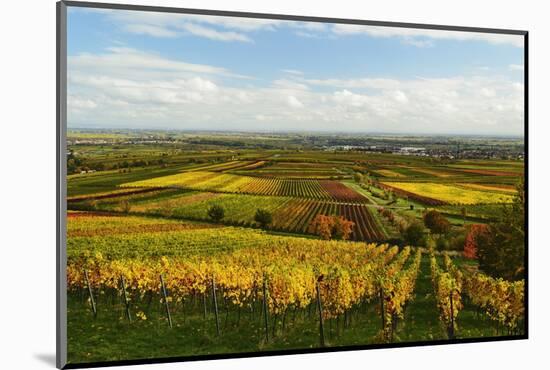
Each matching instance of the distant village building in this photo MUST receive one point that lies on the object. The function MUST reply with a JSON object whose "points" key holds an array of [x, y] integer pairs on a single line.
{"points": [[412, 150]]}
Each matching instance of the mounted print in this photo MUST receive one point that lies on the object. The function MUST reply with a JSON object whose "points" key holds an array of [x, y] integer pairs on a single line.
{"points": [[236, 184]]}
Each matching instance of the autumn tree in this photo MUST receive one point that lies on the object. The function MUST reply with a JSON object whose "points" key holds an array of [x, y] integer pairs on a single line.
{"points": [[477, 234], [342, 228], [322, 226], [331, 227], [436, 222]]}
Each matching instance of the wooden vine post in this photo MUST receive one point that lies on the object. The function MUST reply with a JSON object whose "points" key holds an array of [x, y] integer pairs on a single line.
{"points": [[266, 312], [320, 308], [204, 304], [382, 309], [451, 330], [125, 297], [92, 300], [163, 287], [215, 300]]}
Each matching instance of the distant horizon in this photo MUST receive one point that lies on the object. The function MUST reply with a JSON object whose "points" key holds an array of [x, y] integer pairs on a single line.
{"points": [[202, 72], [303, 132]]}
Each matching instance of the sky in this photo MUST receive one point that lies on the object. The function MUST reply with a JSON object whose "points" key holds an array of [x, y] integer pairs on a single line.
{"points": [[148, 70]]}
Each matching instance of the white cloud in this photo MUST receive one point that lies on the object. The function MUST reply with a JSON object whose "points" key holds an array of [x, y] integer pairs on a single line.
{"points": [[292, 71], [516, 67], [78, 103], [212, 34], [237, 23], [293, 102], [374, 83], [419, 43], [127, 60], [127, 88], [400, 97], [488, 93], [310, 26], [241, 29], [409, 35], [178, 25], [346, 97], [289, 85], [150, 30]]}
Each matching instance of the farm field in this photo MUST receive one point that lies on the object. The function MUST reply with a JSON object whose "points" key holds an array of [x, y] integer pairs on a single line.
{"points": [[315, 228], [450, 194], [289, 214]]}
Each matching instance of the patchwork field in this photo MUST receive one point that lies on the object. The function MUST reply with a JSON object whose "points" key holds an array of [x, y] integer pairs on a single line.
{"points": [[229, 183]]}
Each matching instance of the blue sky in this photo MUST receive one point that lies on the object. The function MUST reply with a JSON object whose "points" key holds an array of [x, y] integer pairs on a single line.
{"points": [[168, 71]]}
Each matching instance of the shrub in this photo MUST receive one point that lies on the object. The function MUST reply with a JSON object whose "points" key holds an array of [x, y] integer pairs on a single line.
{"points": [[456, 242], [388, 215], [216, 213], [436, 222], [414, 234], [442, 244], [263, 217]]}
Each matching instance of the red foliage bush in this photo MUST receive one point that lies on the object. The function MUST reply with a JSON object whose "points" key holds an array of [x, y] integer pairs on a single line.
{"points": [[471, 243]]}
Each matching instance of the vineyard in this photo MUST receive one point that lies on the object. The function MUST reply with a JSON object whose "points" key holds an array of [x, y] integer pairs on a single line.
{"points": [[502, 301], [274, 285], [283, 273], [229, 183], [289, 214], [296, 216], [439, 194]]}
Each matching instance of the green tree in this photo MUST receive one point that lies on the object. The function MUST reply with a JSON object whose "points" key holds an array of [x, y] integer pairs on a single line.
{"points": [[216, 213], [414, 234], [263, 217], [501, 251]]}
